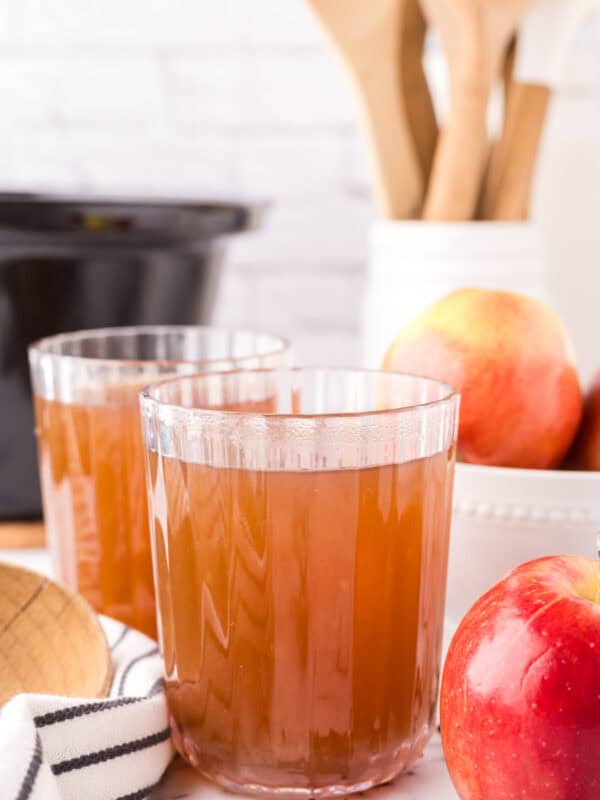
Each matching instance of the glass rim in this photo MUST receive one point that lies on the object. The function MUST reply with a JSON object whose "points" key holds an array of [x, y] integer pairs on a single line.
{"points": [[44, 346], [146, 398]]}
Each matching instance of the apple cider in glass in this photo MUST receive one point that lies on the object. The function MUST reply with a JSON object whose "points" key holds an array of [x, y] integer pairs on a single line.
{"points": [[300, 560], [91, 455], [91, 468]]}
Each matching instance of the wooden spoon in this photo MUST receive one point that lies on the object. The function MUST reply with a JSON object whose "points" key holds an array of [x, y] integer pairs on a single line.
{"points": [[368, 35], [508, 69], [545, 39], [50, 639], [512, 166], [475, 35], [415, 89]]}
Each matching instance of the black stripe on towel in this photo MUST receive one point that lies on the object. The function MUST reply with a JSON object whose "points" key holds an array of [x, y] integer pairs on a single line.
{"points": [[156, 688], [73, 712], [132, 663], [35, 763], [140, 794], [120, 637], [119, 750]]}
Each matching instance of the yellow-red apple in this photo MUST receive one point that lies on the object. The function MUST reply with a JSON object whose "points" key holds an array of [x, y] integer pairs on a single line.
{"points": [[520, 700], [586, 451], [511, 359]]}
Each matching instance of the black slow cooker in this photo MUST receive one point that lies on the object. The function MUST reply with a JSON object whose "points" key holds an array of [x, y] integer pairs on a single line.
{"points": [[70, 263]]}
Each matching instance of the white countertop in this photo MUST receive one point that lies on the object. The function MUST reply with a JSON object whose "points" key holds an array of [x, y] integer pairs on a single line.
{"points": [[427, 780]]}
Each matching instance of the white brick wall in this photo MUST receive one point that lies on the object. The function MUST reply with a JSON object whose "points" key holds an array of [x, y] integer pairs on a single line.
{"points": [[242, 98]]}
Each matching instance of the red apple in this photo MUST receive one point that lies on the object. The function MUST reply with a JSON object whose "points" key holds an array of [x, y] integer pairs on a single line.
{"points": [[586, 452], [520, 702], [512, 360]]}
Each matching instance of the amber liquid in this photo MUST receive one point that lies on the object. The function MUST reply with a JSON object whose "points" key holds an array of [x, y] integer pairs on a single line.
{"points": [[301, 617], [93, 480], [95, 502]]}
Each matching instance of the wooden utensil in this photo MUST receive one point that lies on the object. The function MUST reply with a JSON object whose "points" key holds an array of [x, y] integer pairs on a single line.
{"points": [[506, 77], [475, 35], [369, 37], [415, 89], [508, 69], [22, 535], [512, 166], [545, 37], [50, 639]]}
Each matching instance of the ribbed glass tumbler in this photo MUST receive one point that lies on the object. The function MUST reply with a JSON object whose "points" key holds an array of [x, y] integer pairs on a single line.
{"points": [[300, 523], [90, 448]]}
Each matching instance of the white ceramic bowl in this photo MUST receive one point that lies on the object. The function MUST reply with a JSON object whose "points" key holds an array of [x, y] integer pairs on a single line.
{"points": [[503, 517]]}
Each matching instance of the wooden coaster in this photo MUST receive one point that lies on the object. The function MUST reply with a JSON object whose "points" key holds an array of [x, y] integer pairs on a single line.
{"points": [[14, 535], [51, 641]]}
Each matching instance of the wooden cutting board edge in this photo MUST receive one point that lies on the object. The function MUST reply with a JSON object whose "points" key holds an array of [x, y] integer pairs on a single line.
{"points": [[22, 535]]}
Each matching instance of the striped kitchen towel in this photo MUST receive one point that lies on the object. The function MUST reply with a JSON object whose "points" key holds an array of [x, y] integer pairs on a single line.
{"points": [[58, 748]]}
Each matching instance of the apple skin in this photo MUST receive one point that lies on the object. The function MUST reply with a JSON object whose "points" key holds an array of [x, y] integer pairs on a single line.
{"points": [[520, 698], [586, 451], [510, 357]]}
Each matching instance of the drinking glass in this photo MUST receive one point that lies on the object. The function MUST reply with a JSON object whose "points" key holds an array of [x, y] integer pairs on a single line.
{"points": [[91, 459], [299, 523]]}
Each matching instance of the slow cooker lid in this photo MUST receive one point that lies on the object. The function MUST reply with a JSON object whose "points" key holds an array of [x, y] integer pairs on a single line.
{"points": [[122, 221]]}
